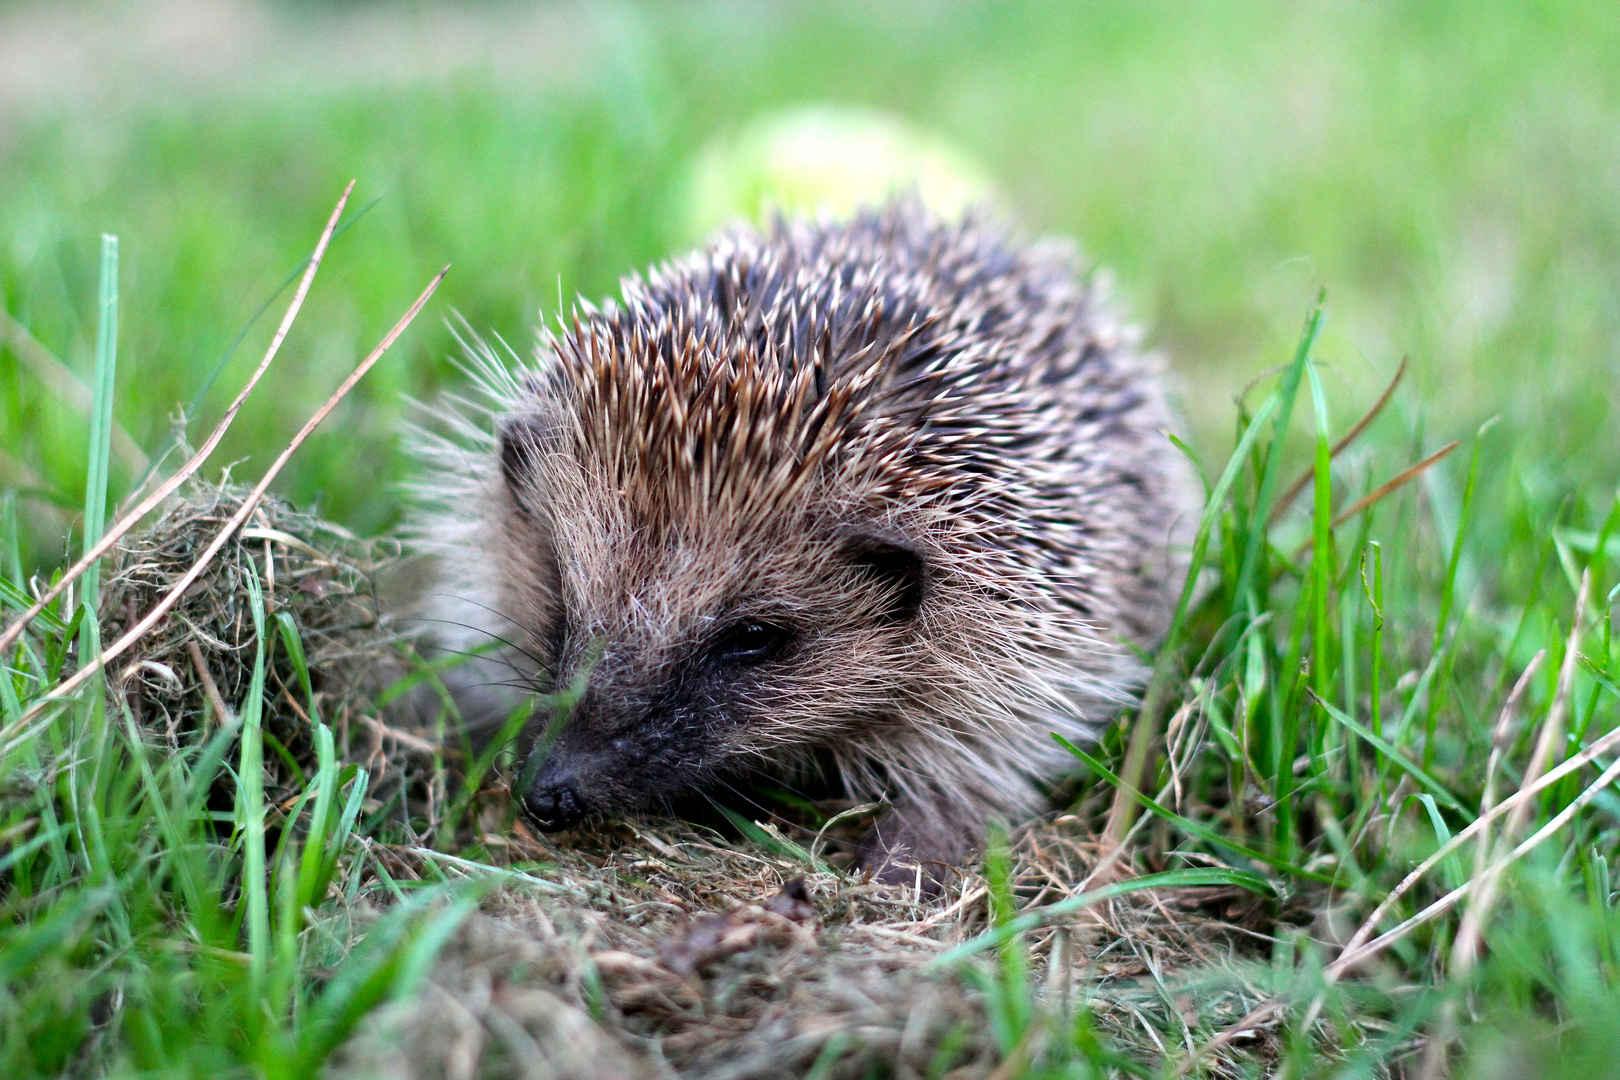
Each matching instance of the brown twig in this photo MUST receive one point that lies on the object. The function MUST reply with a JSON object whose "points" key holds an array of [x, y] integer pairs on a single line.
{"points": [[196, 461], [410, 742], [210, 688], [249, 504], [1378, 493], [1382, 490], [1279, 507]]}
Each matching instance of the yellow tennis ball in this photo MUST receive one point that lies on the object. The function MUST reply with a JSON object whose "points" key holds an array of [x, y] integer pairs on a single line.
{"points": [[827, 160]]}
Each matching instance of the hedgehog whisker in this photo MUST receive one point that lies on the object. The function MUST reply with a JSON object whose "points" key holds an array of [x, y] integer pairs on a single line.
{"points": [[489, 634]]}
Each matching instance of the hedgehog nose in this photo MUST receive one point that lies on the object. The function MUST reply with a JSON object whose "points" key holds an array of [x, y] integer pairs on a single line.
{"points": [[553, 807]]}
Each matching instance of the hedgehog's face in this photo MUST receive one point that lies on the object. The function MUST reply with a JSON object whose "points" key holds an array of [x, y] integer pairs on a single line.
{"points": [[684, 655]]}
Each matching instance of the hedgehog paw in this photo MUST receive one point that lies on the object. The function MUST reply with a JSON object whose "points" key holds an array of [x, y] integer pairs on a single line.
{"points": [[916, 847]]}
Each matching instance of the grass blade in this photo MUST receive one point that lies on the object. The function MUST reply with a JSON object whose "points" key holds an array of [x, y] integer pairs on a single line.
{"points": [[250, 799], [95, 485], [317, 845], [1286, 499], [67, 386], [1121, 814], [295, 653], [1191, 827], [397, 956], [1286, 393], [770, 841], [1404, 763], [1526, 792], [1353, 956]]}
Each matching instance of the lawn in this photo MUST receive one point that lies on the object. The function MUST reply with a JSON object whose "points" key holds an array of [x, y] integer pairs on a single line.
{"points": [[1445, 176]]}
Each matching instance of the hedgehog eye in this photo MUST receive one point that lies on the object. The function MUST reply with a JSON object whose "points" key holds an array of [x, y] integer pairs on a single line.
{"points": [[750, 642]]}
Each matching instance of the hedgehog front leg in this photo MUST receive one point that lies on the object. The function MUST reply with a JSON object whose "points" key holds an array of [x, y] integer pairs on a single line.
{"points": [[913, 835]]}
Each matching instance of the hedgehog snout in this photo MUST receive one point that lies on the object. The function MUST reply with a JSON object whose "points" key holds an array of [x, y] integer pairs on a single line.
{"points": [[582, 775], [553, 808], [553, 803]]}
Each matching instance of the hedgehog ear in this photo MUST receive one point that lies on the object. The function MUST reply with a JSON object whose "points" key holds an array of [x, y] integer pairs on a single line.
{"points": [[894, 564]]}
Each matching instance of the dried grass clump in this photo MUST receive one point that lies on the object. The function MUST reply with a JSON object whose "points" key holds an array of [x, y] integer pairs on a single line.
{"points": [[657, 949], [194, 669]]}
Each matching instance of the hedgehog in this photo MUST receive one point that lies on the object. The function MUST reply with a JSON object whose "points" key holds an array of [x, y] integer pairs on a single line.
{"points": [[885, 500]]}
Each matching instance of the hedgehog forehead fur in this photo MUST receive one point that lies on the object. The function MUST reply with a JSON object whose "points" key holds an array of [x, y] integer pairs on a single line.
{"points": [[919, 465]]}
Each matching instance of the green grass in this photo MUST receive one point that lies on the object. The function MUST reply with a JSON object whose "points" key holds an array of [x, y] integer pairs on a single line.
{"points": [[143, 932], [1445, 172]]}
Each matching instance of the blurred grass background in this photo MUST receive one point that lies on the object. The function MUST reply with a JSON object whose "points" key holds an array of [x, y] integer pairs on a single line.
{"points": [[1449, 172]]}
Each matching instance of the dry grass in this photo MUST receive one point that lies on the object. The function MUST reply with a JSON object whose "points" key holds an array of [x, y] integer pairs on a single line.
{"points": [[194, 669], [654, 948]]}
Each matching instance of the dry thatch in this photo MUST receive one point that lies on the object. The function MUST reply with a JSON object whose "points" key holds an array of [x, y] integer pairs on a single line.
{"points": [[653, 948], [658, 949], [196, 666]]}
